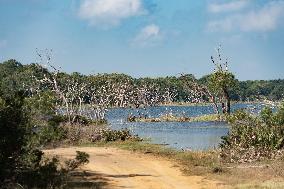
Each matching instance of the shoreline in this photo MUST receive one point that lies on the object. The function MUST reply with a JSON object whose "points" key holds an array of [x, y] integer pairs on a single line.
{"points": [[174, 118]]}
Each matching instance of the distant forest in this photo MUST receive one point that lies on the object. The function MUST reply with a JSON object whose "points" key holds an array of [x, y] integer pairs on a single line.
{"points": [[15, 76]]}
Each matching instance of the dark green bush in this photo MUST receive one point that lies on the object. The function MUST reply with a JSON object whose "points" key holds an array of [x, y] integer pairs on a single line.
{"points": [[49, 173], [22, 165], [80, 159], [49, 135], [55, 120], [13, 129], [78, 119], [115, 135], [44, 175]]}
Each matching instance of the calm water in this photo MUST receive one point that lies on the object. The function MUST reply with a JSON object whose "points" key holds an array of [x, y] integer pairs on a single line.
{"points": [[194, 136]]}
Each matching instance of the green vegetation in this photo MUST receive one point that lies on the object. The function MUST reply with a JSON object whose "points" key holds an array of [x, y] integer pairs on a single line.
{"points": [[76, 134], [222, 82], [108, 135], [209, 117], [254, 137], [163, 118], [22, 163], [173, 118]]}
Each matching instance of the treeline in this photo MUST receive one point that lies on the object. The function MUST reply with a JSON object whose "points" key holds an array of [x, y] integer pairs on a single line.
{"points": [[15, 76]]}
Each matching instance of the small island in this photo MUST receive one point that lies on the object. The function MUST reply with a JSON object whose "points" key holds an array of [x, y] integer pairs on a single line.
{"points": [[169, 117]]}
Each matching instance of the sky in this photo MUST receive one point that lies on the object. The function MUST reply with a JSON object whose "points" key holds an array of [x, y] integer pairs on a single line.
{"points": [[147, 38]]}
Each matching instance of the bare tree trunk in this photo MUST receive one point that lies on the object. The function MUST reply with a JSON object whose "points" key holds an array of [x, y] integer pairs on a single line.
{"points": [[216, 108], [215, 105], [80, 106], [228, 101]]}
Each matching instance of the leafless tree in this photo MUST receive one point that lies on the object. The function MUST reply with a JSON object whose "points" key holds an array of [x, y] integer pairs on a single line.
{"points": [[199, 92], [69, 94]]}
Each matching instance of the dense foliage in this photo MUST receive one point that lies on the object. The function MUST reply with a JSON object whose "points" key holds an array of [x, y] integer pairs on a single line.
{"points": [[254, 137], [22, 164], [13, 131]]}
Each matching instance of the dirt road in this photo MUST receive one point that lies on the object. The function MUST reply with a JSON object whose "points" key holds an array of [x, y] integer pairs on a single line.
{"points": [[117, 168]]}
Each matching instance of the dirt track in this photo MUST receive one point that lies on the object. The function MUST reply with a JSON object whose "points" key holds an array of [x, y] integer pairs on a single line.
{"points": [[123, 169]]}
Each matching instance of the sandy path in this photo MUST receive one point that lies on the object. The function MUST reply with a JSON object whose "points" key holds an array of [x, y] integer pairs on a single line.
{"points": [[124, 169]]}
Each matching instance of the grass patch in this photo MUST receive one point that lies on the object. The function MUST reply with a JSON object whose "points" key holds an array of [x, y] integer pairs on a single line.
{"points": [[208, 117], [173, 118], [265, 185]]}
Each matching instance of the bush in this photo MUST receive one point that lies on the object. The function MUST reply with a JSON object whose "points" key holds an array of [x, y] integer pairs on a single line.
{"points": [[49, 133], [44, 175], [57, 129], [77, 134], [21, 164], [49, 173], [108, 135], [13, 129], [78, 119], [80, 159], [254, 138]]}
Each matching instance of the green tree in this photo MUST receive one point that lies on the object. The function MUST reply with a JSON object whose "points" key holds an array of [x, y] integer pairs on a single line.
{"points": [[13, 124], [222, 81]]}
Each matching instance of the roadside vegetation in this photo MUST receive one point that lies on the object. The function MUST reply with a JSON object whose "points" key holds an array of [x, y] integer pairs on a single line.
{"points": [[22, 162], [254, 138]]}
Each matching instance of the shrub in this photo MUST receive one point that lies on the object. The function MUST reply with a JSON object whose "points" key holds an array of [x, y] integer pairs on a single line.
{"points": [[78, 119], [80, 159], [108, 135], [253, 138], [58, 129], [77, 133], [49, 173], [21, 164], [13, 128], [49, 133], [44, 175]]}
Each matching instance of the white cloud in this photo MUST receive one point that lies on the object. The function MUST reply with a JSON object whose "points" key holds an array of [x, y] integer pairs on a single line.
{"points": [[268, 18], [109, 13], [148, 36], [227, 7]]}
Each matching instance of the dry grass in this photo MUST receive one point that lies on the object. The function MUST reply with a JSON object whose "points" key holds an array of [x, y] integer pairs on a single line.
{"points": [[264, 185]]}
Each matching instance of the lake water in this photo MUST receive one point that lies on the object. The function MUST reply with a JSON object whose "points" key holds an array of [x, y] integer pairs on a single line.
{"points": [[179, 135]]}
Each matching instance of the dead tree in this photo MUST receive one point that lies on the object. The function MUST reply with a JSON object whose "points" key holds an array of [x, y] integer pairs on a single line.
{"points": [[198, 92], [69, 92]]}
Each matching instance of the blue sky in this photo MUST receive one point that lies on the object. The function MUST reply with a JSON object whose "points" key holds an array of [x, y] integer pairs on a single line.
{"points": [[147, 37]]}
